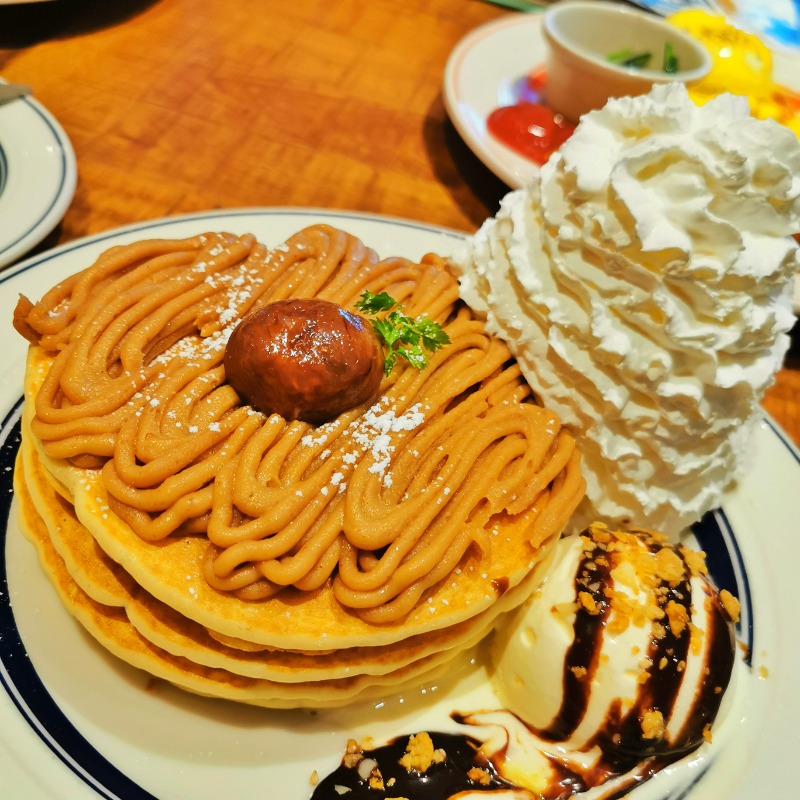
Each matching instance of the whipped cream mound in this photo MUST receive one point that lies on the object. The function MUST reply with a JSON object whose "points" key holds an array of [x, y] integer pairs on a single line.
{"points": [[643, 281]]}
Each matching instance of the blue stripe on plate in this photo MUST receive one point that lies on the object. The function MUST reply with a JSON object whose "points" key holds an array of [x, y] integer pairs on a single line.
{"points": [[20, 680], [43, 214], [3, 168], [18, 675], [787, 442], [727, 569]]}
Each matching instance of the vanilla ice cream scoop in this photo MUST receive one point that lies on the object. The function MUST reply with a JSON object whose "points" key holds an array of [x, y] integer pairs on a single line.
{"points": [[624, 653], [643, 281], [612, 671]]}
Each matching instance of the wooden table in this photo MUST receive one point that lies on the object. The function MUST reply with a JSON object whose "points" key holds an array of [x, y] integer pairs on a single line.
{"points": [[175, 106]]}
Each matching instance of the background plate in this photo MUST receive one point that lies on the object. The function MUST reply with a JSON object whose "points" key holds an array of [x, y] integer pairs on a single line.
{"points": [[77, 724], [37, 176], [484, 72], [485, 69]]}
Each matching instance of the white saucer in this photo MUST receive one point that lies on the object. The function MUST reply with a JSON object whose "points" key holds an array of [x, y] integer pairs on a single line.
{"points": [[37, 176], [484, 72]]}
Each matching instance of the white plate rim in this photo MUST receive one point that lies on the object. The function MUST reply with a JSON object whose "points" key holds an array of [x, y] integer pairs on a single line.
{"points": [[468, 102], [32, 140], [23, 756]]}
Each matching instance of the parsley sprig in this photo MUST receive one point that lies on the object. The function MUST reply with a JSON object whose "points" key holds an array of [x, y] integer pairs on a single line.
{"points": [[405, 337]]}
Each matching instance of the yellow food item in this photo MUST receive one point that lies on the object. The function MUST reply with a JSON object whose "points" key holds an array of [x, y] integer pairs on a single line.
{"points": [[741, 64]]}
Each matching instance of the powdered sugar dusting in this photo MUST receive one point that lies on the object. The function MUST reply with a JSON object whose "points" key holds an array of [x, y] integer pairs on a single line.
{"points": [[374, 433]]}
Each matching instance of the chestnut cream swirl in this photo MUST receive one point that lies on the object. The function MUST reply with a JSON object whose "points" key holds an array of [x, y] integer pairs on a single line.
{"points": [[380, 503]]}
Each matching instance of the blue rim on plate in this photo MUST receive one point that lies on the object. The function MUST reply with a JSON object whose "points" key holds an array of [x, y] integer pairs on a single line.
{"points": [[21, 681], [39, 709], [51, 206], [18, 676], [3, 168]]}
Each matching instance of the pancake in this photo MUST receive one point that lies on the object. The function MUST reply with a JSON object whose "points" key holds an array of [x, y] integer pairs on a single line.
{"points": [[320, 561], [106, 583], [111, 628]]}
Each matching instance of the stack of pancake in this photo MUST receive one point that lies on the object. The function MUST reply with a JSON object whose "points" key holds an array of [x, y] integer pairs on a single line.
{"points": [[237, 554]]}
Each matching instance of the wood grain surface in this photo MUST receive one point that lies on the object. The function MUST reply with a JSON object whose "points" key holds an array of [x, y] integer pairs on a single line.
{"points": [[175, 106]]}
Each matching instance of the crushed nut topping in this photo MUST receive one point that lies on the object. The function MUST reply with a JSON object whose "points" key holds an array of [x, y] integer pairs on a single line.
{"points": [[480, 776], [653, 726], [730, 604], [650, 586], [420, 754]]}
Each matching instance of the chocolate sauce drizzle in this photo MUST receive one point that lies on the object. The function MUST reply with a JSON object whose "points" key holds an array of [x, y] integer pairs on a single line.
{"points": [[583, 653], [621, 738], [438, 782], [625, 751]]}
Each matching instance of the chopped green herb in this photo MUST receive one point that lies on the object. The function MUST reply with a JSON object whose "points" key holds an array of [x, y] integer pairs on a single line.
{"points": [[620, 55], [670, 59], [374, 303], [405, 337], [629, 58]]}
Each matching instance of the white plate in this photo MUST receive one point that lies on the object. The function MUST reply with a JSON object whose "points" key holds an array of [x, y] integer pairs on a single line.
{"points": [[76, 724], [485, 71], [37, 176]]}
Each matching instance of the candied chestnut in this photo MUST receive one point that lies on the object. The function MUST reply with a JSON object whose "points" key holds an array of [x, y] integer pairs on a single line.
{"points": [[306, 359]]}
